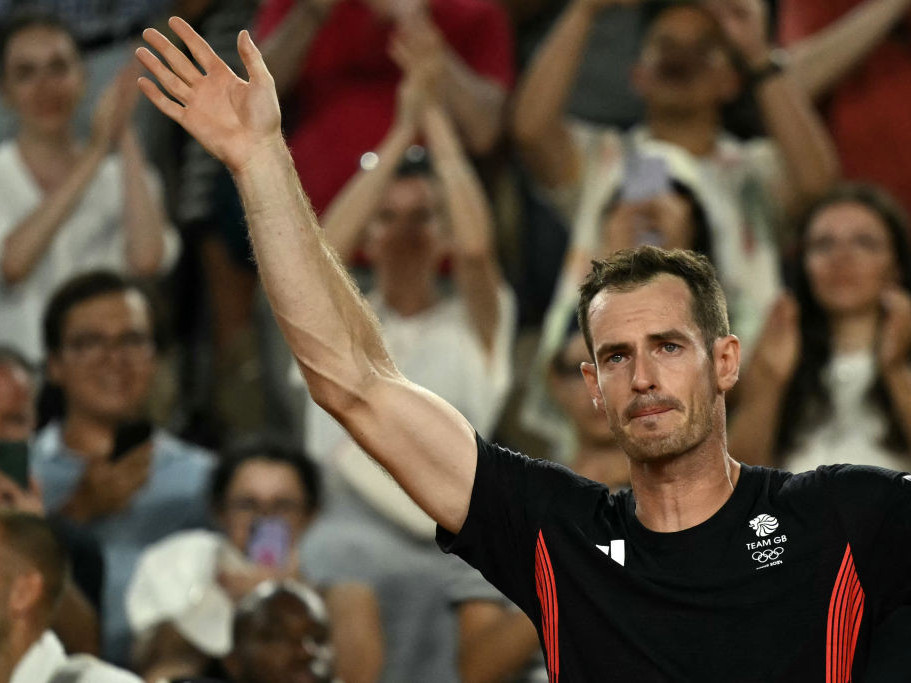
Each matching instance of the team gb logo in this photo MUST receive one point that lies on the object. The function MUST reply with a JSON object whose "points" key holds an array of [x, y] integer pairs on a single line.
{"points": [[763, 525]]}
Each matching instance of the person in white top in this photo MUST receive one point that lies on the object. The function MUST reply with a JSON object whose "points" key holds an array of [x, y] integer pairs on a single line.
{"points": [[830, 380], [685, 74], [33, 568], [68, 205]]}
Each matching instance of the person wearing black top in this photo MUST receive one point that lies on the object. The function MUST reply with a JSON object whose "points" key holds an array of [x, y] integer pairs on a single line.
{"points": [[708, 570]]}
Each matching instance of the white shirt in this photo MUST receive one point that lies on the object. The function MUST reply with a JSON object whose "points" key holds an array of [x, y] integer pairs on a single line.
{"points": [[92, 237], [854, 431], [46, 657]]}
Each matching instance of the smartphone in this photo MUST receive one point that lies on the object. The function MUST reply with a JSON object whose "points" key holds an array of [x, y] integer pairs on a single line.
{"points": [[270, 542], [128, 436], [644, 177], [14, 461]]}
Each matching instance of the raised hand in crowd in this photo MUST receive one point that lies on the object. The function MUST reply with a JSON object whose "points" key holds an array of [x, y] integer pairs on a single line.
{"points": [[115, 108], [108, 487], [239, 582], [745, 23], [14, 497], [778, 347], [894, 342], [665, 220]]}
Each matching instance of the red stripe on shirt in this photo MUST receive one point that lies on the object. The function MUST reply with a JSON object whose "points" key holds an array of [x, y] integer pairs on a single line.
{"points": [[846, 610], [547, 596]]}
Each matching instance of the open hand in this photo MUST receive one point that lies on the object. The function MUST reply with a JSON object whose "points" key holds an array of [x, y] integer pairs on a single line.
{"points": [[14, 497], [115, 108], [778, 348], [420, 51], [895, 330], [107, 487], [745, 23], [232, 118]]}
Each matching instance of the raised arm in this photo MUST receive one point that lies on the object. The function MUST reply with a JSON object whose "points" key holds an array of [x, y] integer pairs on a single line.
{"points": [[892, 352], [787, 112], [346, 218], [476, 271], [426, 445], [538, 118], [819, 61]]}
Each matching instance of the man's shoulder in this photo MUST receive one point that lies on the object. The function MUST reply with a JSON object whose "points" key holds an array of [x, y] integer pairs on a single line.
{"points": [[841, 483]]}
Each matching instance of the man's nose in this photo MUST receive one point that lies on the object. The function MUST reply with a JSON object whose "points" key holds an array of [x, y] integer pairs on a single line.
{"points": [[645, 377]]}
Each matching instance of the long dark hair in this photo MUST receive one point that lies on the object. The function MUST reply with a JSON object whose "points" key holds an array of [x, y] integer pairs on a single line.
{"points": [[807, 402]]}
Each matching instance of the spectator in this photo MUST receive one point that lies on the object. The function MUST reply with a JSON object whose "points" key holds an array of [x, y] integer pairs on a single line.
{"points": [[76, 620], [282, 634], [69, 207], [828, 382], [102, 344], [854, 57], [685, 74], [181, 598], [32, 581], [406, 216], [337, 63]]}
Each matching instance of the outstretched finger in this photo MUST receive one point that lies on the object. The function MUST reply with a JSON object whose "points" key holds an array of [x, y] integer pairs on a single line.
{"points": [[180, 64], [175, 86], [199, 48], [165, 105], [252, 57]]}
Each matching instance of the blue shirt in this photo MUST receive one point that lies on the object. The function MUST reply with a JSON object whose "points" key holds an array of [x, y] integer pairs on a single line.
{"points": [[175, 497]]}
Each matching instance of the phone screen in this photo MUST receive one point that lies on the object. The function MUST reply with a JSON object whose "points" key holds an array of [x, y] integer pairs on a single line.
{"points": [[644, 178], [270, 542], [14, 461], [129, 435]]}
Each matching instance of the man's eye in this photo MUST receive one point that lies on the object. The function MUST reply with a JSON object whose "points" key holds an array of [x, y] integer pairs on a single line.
{"points": [[615, 358], [670, 347]]}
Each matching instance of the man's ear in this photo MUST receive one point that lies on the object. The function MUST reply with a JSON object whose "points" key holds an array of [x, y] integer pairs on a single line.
{"points": [[590, 374], [25, 592], [726, 356]]}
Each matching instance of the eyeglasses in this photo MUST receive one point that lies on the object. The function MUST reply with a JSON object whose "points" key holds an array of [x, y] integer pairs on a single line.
{"points": [[286, 508], [91, 347]]}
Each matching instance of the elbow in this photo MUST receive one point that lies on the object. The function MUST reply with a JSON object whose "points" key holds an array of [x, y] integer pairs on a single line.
{"points": [[525, 130], [12, 272]]}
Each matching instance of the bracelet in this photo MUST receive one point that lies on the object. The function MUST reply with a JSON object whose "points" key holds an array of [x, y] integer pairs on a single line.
{"points": [[775, 65]]}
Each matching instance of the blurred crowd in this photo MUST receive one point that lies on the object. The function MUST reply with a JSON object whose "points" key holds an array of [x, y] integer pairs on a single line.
{"points": [[175, 507]]}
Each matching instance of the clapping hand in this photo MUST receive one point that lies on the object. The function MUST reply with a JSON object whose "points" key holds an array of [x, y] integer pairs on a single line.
{"points": [[232, 118], [895, 330], [420, 50], [115, 108], [778, 348], [745, 23], [14, 497]]}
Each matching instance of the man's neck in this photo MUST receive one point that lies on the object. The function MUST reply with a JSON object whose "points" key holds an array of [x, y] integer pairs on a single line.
{"points": [[88, 436], [407, 296], [684, 492], [14, 647], [697, 132]]}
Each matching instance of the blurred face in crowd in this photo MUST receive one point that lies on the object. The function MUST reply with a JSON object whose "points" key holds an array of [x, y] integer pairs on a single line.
{"points": [[684, 64], [654, 378], [43, 78], [665, 221], [106, 362], [849, 258], [264, 488], [406, 236], [17, 403], [285, 641]]}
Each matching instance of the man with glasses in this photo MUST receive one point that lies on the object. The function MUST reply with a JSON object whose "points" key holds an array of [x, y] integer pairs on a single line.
{"points": [[102, 348]]}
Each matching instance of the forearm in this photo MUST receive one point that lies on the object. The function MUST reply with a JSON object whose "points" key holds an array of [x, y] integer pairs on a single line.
{"points": [[29, 240], [475, 268], [819, 61], [476, 103], [284, 51], [805, 145], [348, 215], [327, 324], [143, 214], [898, 384]]}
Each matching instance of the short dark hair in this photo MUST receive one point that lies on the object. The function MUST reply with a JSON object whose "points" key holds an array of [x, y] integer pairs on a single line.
{"points": [[32, 538], [629, 269], [271, 448], [84, 287], [653, 11], [29, 17]]}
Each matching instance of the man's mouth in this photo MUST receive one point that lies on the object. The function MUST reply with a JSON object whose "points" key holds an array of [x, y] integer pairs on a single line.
{"points": [[648, 412]]}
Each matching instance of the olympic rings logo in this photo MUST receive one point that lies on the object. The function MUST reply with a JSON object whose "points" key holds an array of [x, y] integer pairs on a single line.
{"points": [[768, 554]]}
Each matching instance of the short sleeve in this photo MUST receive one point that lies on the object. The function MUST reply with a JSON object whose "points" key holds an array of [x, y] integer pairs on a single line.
{"points": [[874, 506], [511, 497]]}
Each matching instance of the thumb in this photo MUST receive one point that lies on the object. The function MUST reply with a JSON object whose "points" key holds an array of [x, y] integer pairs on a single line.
{"points": [[252, 58]]}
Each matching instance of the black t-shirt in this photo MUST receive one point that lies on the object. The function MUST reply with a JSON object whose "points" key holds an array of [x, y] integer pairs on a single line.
{"points": [[788, 581]]}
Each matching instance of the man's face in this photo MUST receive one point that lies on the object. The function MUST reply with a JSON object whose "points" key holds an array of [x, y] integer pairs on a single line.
{"points": [[263, 488], [287, 643], [684, 64], [106, 362], [17, 404], [654, 378], [407, 232]]}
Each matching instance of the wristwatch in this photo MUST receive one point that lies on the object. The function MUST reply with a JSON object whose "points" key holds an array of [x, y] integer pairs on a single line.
{"points": [[775, 64]]}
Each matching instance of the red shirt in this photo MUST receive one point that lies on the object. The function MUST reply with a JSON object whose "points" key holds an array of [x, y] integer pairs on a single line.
{"points": [[867, 111], [345, 97]]}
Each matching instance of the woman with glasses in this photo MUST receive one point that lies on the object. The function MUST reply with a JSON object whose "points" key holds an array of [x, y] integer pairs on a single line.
{"points": [[68, 204], [183, 595], [829, 381]]}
